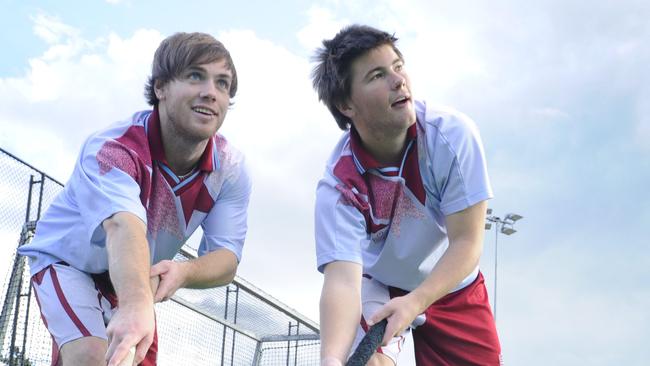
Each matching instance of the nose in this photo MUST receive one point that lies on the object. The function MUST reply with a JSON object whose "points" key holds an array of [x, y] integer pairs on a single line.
{"points": [[399, 81], [209, 91]]}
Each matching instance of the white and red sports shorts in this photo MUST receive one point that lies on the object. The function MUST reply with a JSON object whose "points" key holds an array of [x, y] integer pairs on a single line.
{"points": [[76, 304]]}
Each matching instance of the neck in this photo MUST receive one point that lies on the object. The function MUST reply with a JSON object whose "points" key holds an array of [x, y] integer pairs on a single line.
{"points": [[182, 157], [386, 149], [182, 154]]}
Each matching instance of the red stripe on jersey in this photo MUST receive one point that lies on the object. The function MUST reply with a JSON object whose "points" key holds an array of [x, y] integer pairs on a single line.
{"points": [[195, 196], [347, 172], [155, 137], [66, 305], [128, 153], [161, 212]]}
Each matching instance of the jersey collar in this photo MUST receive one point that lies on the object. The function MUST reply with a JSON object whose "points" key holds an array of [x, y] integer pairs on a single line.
{"points": [[362, 158]]}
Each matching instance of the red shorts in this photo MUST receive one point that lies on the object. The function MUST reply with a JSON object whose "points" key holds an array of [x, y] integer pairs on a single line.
{"points": [[459, 329]]}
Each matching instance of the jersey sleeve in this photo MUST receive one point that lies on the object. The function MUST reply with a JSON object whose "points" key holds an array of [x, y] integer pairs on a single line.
{"points": [[226, 223], [459, 165], [339, 226], [105, 182]]}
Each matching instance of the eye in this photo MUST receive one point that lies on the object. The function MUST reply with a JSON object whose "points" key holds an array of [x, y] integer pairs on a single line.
{"points": [[399, 66], [195, 76], [223, 84], [377, 75]]}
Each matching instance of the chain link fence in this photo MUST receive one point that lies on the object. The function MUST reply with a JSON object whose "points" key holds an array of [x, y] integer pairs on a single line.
{"points": [[232, 325]]}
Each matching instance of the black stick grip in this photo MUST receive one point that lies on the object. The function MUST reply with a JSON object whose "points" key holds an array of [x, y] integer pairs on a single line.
{"points": [[368, 345]]}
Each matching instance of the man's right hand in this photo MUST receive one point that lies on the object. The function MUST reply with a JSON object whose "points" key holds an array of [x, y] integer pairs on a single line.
{"points": [[131, 325]]}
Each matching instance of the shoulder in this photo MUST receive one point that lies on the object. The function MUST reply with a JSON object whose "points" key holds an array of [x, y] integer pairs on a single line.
{"points": [[130, 132], [341, 165], [444, 119], [230, 166], [445, 126], [119, 144], [340, 153], [227, 156]]}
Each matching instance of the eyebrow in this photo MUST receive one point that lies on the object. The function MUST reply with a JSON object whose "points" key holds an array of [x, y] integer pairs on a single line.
{"points": [[379, 68], [203, 70]]}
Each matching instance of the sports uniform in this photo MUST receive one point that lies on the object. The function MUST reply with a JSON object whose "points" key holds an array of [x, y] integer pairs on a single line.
{"points": [[392, 221], [123, 168]]}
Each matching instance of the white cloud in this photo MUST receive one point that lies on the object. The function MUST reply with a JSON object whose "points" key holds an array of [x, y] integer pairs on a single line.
{"points": [[75, 87], [51, 30], [321, 25]]}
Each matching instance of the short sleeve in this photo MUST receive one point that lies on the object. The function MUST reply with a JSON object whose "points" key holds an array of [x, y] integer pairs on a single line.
{"points": [[340, 228], [459, 167], [104, 182], [226, 223]]}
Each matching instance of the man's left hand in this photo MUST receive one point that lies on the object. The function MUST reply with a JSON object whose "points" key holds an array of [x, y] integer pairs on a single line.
{"points": [[172, 277], [400, 313]]}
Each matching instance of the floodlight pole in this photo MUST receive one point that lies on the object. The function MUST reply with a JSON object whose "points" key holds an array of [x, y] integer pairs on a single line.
{"points": [[505, 226], [496, 258]]}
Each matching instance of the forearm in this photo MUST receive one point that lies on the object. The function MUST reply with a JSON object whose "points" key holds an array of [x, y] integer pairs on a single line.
{"points": [[340, 312], [128, 258], [216, 268], [455, 265], [465, 231]]}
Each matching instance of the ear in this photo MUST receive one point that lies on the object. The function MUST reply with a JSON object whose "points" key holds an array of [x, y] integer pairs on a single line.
{"points": [[159, 89], [346, 109]]}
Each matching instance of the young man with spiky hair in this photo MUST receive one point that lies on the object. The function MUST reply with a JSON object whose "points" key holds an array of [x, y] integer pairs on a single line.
{"points": [[399, 213], [139, 189]]}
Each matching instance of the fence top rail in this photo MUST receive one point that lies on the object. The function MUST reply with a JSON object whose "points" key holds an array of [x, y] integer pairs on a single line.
{"points": [[295, 337], [30, 166]]}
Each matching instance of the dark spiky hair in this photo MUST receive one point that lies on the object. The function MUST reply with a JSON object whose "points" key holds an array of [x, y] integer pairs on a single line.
{"points": [[331, 77]]}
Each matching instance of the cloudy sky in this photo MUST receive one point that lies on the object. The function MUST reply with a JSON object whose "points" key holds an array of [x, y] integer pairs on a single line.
{"points": [[559, 89]]}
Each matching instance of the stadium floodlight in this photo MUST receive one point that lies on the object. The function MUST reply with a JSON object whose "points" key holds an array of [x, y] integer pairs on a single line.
{"points": [[504, 226], [513, 217]]}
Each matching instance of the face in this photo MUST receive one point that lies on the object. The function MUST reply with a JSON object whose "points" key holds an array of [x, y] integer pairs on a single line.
{"points": [[380, 96], [194, 104]]}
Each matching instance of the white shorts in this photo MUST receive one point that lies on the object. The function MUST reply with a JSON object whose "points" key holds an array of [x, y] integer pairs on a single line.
{"points": [[73, 303], [374, 295]]}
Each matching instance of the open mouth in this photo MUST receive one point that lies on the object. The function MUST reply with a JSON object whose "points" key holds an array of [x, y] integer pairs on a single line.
{"points": [[204, 111], [401, 101]]}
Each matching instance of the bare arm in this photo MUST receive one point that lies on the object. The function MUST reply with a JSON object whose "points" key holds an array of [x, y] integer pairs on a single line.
{"points": [[340, 310], [128, 263], [216, 268], [465, 231]]}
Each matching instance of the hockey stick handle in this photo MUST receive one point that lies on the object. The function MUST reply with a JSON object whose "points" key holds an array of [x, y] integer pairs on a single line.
{"points": [[368, 345]]}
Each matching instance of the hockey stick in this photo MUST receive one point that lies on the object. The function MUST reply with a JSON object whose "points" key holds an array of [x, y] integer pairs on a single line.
{"points": [[368, 345]]}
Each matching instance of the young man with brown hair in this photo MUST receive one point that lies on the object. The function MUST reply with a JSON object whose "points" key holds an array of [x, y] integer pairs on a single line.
{"points": [[399, 213], [139, 189]]}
